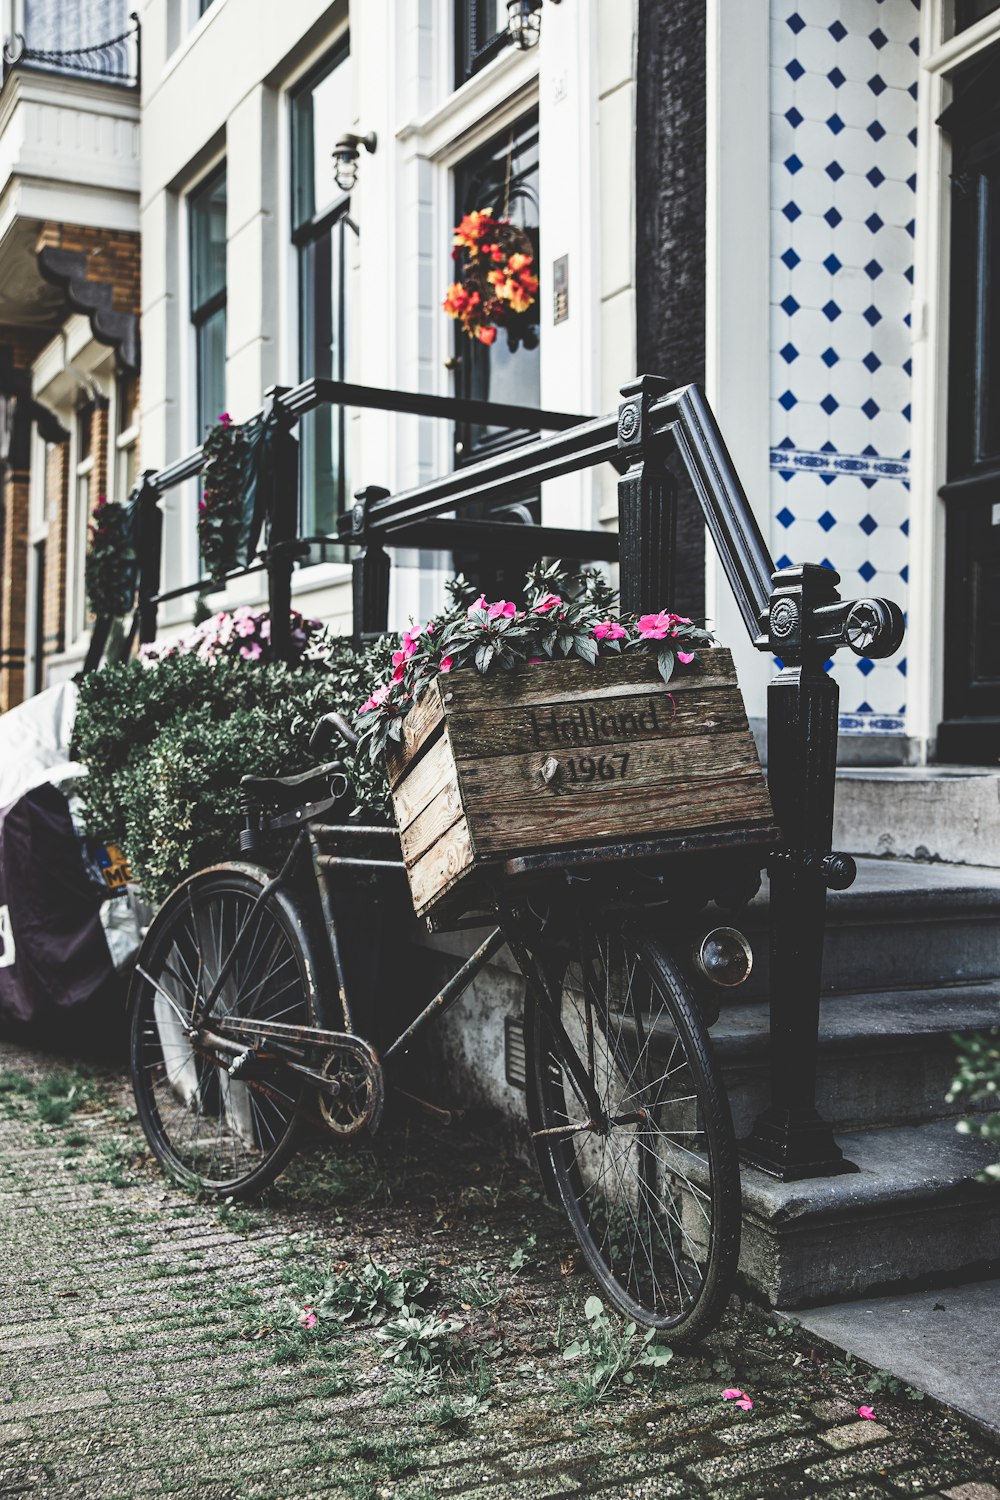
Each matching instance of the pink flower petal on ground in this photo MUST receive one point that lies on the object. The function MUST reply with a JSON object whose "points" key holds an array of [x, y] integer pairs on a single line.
{"points": [[867, 1413], [733, 1394], [685, 657], [745, 1404]]}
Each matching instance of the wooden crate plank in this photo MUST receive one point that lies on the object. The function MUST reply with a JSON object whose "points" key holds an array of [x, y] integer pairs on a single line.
{"points": [[592, 723], [666, 785], [566, 680], [418, 734], [444, 809], [435, 769], [444, 863]]}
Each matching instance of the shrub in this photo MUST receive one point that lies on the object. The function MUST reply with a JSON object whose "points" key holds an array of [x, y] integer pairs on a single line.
{"points": [[978, 1082], [167, 743]]}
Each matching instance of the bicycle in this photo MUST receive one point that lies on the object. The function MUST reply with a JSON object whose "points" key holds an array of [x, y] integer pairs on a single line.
{"points": [[241, 1014]]}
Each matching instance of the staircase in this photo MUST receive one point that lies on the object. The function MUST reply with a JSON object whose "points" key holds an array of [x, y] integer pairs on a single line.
{"points": [[912, 955]]}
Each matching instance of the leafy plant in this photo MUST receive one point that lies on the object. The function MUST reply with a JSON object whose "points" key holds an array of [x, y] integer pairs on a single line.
{"points": [[109, 568], [978, 1082], [420, 1340], [368, 1294], [565, 614], [166, 746], [221, 508], [613, 1353]]}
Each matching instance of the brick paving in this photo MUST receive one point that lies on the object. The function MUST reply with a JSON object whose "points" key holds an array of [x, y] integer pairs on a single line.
{"points": [[151, 1344]]}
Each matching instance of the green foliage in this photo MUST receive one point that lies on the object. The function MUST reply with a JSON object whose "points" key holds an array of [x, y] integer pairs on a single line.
{"points": [[978, 1082], [419, 1340], [613, 1353], [109, 568], [166, 745], [221, 509], [368, 1293]]}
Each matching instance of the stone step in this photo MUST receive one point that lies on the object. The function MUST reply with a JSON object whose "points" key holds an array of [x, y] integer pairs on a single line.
{"points": [[884, 1058], [949, 813], [913, 1212], [901, 924]]}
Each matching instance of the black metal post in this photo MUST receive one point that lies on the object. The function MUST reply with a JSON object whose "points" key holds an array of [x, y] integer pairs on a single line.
{"points": [[148, 553], [647, 510], [790, 1140], [370, 567], [283, 519]]}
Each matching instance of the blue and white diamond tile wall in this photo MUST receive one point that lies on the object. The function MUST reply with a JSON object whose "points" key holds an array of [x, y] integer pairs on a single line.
{"points": [[843, 199]]}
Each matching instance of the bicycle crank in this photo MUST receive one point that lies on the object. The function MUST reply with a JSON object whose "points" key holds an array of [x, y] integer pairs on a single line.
{"points": [[355, 1091]]}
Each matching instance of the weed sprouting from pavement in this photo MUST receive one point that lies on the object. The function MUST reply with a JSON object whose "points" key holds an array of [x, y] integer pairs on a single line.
{"points": [[612, 1352]]}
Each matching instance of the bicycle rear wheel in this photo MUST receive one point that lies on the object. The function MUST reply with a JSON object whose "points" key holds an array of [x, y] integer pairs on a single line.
{"points": [[650, 1179], [226, 1136]]}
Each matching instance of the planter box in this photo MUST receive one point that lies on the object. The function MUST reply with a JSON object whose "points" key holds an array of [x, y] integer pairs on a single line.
{"points": [[564, 756]]}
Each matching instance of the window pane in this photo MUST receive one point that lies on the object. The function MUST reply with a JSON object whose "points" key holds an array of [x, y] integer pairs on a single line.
{"points": [[323, 353], [208, 241], [477, 22], [496, 372], [968, 12], [211, 351], [322, 113]]}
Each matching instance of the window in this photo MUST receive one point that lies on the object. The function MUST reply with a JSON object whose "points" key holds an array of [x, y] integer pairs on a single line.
{"points": [[126, 436], [480, 33], [503, 179], [207, 214], [80, 516], [321, 113]]}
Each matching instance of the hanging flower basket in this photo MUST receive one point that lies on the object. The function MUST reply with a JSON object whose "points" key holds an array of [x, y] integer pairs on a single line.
{"points": [[222, 508], [498, 287], [109, 569]]}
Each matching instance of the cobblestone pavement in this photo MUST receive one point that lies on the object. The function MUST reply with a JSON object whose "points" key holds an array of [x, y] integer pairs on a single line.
{"points": [[151, 1344]]}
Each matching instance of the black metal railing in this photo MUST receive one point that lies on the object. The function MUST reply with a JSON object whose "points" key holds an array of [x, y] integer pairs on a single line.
{"points": [[115, 60], [795, 614]]}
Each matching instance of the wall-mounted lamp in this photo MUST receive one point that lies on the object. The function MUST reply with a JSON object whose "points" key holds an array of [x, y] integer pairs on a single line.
{"points": [[345, 158], [524, 22]]}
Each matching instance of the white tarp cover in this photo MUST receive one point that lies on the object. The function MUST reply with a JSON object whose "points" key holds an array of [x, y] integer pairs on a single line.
{"points": [[34, 742]]}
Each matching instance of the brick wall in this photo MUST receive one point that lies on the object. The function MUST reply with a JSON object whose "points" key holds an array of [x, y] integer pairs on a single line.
{"points": [[112, 256]]}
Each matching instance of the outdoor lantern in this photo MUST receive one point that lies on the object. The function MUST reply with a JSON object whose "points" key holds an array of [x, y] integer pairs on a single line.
{"points": [[524, 22], [345, 158]]}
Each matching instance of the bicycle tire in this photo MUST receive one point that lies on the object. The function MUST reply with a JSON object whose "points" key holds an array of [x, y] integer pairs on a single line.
{"points": [[221, 1135], [654, 1203]]}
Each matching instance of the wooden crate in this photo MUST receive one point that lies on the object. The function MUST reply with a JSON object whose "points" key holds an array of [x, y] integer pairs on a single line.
{"points": [[562, 755]]}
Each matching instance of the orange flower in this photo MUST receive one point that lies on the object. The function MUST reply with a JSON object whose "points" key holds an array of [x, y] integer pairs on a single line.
{"points": [[486, 335]]}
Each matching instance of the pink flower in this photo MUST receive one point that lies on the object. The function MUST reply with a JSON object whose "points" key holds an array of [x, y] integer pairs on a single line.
{"points": [[376, 700], [245, 626], [610, 630], [446, 664], [265, 630], [429, 627], [410, 641], [251, 652], [503, 608], [308, 1317], [866, 1413], [654, 627], [399, 659], [225, 418], [479, 604], [535, 661], [732, 1394], [544, 605], [686, 657]]}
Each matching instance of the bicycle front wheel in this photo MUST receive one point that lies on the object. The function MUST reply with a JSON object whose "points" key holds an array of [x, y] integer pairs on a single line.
{"points": [[223, 1135], [630, 1117]]}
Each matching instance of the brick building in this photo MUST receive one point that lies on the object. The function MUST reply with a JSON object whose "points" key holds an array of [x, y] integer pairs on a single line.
{"points": [[69, 322]]}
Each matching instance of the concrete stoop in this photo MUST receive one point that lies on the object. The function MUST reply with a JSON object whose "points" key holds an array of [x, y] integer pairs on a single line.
{"points": [[949, 813], [912, 957], [912, 1213]]}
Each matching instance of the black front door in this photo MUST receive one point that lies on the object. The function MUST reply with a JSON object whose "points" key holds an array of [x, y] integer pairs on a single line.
{"points": [[970, 731]]}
